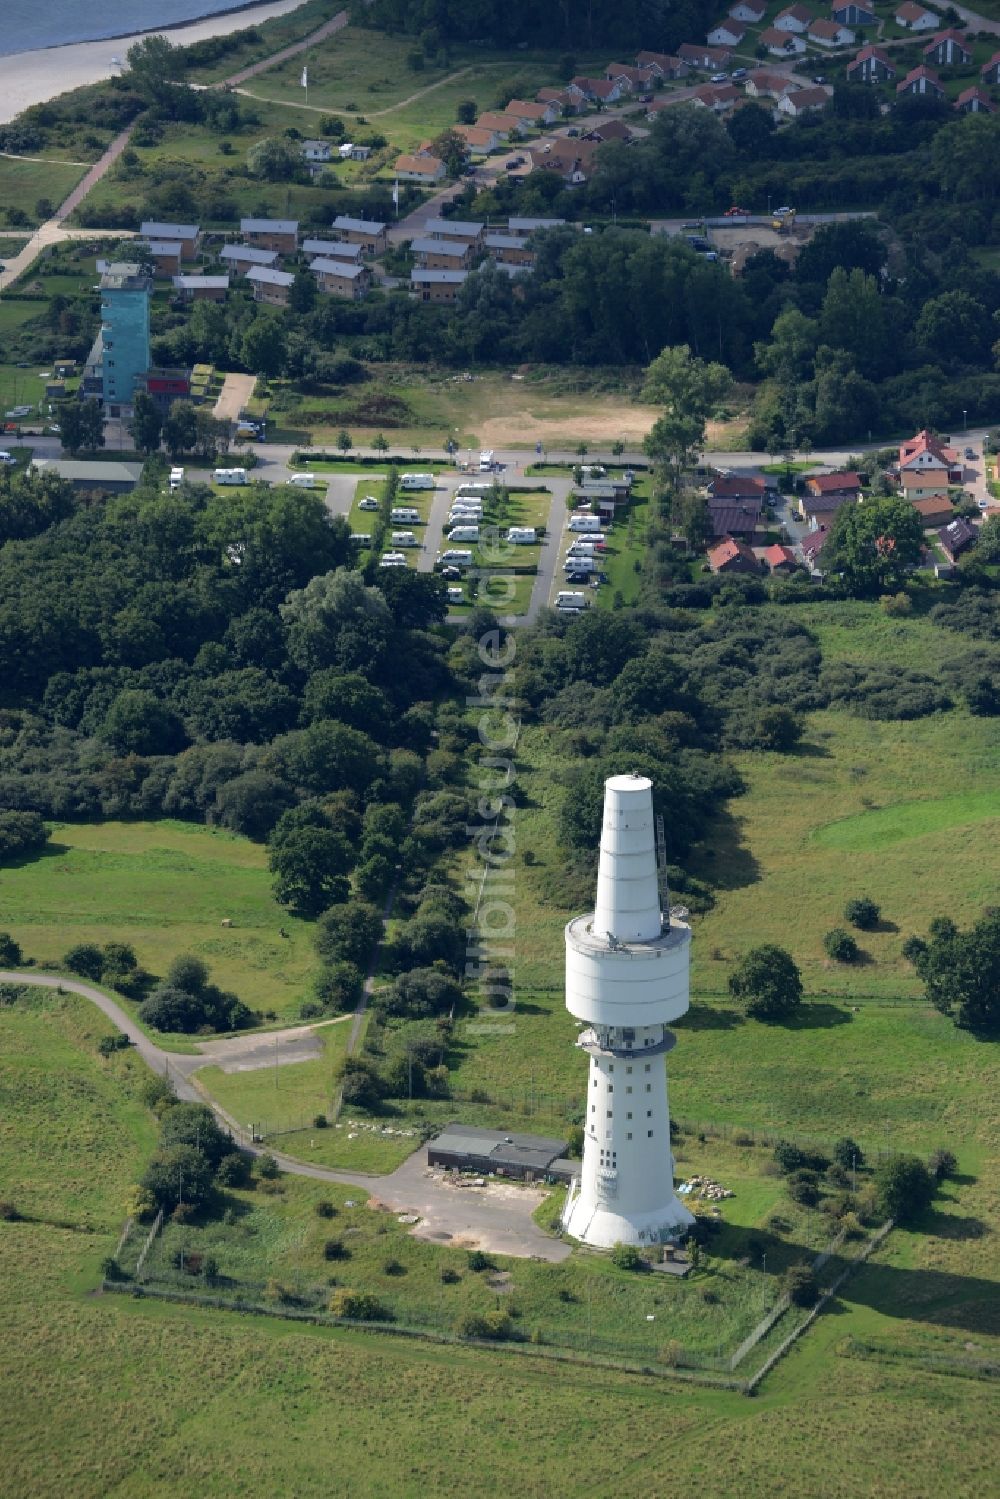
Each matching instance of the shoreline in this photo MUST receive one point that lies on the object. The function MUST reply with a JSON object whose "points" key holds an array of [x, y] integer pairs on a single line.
{"points": [[221, 14], [28, 78]]}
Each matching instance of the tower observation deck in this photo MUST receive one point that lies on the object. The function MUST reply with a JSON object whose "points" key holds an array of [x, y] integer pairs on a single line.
{"points": [[627, 970]]}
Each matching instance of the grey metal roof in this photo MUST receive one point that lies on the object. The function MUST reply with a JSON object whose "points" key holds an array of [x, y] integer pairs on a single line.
{"points": [[269, 277], [248, 252], [164, 246], [503, 242], [525, 226], [453, 227], [124, 275], [150, 229], [193, 283], [269, 226], [357, 226], [472, 1140], [438, 278], [95, 472], [346, 268], [438, 247], [335, 248]]}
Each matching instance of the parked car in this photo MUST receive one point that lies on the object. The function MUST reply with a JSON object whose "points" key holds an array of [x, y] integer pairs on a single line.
{"points": [[737, 213], [738, 73], [970, 452], [648, 98], [819, 78], [720, 77]]}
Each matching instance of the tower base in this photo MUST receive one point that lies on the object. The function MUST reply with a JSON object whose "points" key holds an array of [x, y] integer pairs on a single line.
{"points": [[599, 1225]]}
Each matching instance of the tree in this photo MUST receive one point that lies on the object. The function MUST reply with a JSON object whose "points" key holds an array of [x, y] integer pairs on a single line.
{"points": [[345, 441], [848, 1153], [309, 868], [840, 945], [30, 502], [627, 1257], [86, 959], [139, 723], [195, 1124], [961, 971], [180, 430], [146, 425], [302, 292], [450, 148], [467, 112], [21, 833], [689, 390], [11, 955], [338, 987], [750, 129], [767, 982], [379, 443], [422, 993], [799, 1285], [178, 1173], [274, 159], [863, 913], [904, 1188], [262, 347], [690, 515], [337, 621], [252, 803], [81, 426], [874, 545], [349, 933]]}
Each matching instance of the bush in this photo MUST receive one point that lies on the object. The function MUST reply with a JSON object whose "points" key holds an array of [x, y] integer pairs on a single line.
{"points": [[495, 1326], [336, 1249], [20, 833], [788, 1156], [863, 913], [799, 1284], [903, 1188], [803, 1191], [86, 959], [108, 1045], [449, 1277], [913, 949], [325, 1209], [360, 1306], [840, 945], [767, 983], [178, 1174], [627, 1257], [321, 1122], [943, 1163], [848, 1153], [266, 1167], [479, 1261], [233, 1170], [10, 951], [393, 1266]]}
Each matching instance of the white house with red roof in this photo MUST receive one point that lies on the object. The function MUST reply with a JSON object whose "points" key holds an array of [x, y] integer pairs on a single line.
{"points": [[946, 49], [927, 465], [990, 71], [795, 18], [914, 17], [782, 43], [831, 34], [750, 11], [802, 102], [726, 34], [871, 65]]}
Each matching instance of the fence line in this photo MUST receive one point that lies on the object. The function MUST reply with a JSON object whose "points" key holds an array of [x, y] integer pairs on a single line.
{"points": [[123, 1238], [157, 1225]]}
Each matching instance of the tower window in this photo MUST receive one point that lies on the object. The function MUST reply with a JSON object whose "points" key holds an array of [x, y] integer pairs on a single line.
{"points": [[628, 1087], [647, 1066], [628, 1070], [649, 1087], [649, 1134], [649, 1113], [629, 1114], [593, 1108], [611, 1087], [629, 1135], [609, 1114]]}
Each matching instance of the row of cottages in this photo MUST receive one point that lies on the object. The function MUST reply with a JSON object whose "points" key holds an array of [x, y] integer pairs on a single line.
{"points": [[927, 466], [871, 65], [663, 66], [921, 80]]}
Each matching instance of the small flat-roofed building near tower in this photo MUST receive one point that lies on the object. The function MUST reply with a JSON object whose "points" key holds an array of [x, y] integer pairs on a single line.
{"points": [[462, 1147]]}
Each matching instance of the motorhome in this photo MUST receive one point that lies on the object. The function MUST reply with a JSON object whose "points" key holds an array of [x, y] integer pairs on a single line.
{"points": [[416, 481], [404, 539], [464, 533], [303, 481], [393, 559], [486, 460], [176, 479], [229, 476], [522, 536], [456, 557], [404, 512], [584, 523], [570, 600]]}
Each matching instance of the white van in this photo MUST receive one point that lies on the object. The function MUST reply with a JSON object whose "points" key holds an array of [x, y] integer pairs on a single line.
{"points": [[416, 481], [229, 476], [462, 507], [303, 481], [584, 523], [393, 559], [464, 533], [456, 595], [456, 557], [570, 600], [404, 512], [176, 477], [404, 539], [486, 460], [522, 536]]}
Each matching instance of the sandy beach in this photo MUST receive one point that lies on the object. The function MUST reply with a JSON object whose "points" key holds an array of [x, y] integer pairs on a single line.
{"points": [[32, 77]]}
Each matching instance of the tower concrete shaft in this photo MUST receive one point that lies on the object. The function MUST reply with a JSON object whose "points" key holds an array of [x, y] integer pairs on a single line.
{"points": [[627, 969]]}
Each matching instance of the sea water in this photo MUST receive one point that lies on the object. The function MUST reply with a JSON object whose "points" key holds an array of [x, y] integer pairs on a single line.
{"points": [[27, 24]]}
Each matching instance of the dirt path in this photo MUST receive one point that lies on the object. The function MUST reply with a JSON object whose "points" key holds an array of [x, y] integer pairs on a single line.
{"points": [[335, 24]]}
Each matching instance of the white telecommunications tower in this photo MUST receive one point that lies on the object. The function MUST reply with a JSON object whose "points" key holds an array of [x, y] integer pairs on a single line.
{"points": [[626, 977]]}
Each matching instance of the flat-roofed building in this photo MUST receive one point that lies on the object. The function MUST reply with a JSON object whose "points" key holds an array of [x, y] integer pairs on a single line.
{"points": [[467, 230], [509, 249], [105, 476], [464, 1147], [336, 249], [202, 288]]}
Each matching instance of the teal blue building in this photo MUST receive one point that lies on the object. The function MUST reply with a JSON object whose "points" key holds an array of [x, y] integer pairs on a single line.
{"points": [[126, 289]]}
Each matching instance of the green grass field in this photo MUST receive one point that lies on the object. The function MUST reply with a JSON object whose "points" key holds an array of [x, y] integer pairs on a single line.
{"points": [[24, 183], [140, 1397], [286, 1097], [164, 887]]}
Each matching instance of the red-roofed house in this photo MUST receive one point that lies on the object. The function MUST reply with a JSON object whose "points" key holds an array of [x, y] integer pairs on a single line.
{"points": [[565, 102], [803, 101], [781, 43], [532, 112], [726, 34], [946, 48], [600, 90], [975, 101], [871, 65], [934, 510], [718, 97], [825, 493], [990, 71], [778, 558], [831, 34], [708, 59], [638, 78], [927, 466], [609, 130], [668, 67], [732, 556], [812, 545], [914, 17], [761, 84], [850, 13], [921, 80], [793, 18], [751, 11], [734, 488]]}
